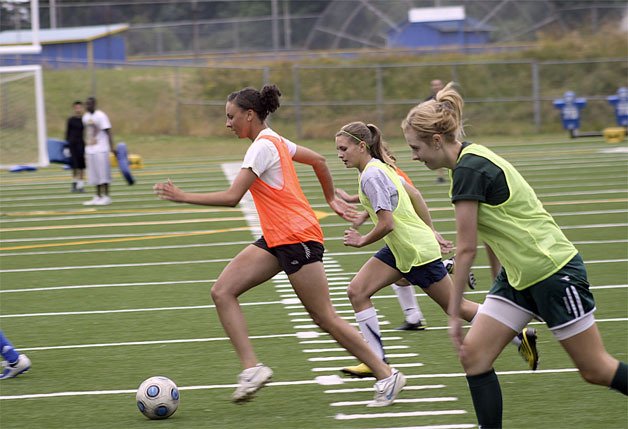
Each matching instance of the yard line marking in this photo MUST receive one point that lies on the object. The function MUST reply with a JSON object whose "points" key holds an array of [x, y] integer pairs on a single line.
{"points": [[275, 383], [399, 414], [398, 401], [444, 426], [370, 389], [348, 357], [124, 239]]}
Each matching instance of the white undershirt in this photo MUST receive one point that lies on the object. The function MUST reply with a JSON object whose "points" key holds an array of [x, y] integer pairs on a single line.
{"points": [[262, 158]]}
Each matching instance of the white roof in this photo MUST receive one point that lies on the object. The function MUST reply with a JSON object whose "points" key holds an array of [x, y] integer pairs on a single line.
{"points": [[434, 14], [61, 35]]}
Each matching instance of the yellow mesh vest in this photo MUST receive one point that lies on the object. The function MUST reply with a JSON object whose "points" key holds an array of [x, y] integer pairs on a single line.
{"points": [[412, 242], [524, 236]]}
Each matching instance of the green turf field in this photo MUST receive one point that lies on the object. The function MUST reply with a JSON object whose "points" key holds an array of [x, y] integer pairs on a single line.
{"points": [[102, 298]]}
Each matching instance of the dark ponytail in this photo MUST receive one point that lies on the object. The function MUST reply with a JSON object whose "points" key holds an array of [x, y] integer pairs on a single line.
{"points": [[261, 102]]}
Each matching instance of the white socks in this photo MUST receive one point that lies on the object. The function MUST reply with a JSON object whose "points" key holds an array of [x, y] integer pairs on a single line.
{"points": [[369, 326], [408, 303]]}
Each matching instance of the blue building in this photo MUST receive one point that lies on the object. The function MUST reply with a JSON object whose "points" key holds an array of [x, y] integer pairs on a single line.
{"points": [[69, 47], [439, 27]]}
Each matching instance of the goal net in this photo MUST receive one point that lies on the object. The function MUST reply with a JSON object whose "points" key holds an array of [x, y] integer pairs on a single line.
{"points": [[22, 117]]}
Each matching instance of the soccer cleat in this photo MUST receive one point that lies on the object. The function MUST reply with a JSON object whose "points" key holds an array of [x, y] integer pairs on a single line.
{"points": [[407, 326], [527, 348], [386, 390], [11, 370], [103, 201], [360, 371], [93, 202], [250, 381], [449, 266]]}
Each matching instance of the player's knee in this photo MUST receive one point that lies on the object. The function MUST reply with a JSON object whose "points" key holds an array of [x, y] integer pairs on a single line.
{"points": [[219, 293], [471, 359], [596, 375], [355, 293]]}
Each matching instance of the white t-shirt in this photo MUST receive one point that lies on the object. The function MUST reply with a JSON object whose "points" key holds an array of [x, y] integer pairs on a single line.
{"points": [[262, 158], [96, 139]]}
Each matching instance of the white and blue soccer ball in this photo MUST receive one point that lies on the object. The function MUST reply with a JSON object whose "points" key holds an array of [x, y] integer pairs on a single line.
{"points": [[157, 397]]}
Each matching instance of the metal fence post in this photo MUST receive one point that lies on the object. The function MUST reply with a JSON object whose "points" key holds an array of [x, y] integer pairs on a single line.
{"points": [[536, 96], [379, 95], [297, 100], [177, 106]]}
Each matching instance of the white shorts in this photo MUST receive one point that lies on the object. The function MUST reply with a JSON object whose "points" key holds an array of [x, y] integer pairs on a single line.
{"points": [[98, 168], [516, 318]]}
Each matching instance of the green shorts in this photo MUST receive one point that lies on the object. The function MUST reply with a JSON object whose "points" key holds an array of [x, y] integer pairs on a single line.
{"points": [[560, 300]]}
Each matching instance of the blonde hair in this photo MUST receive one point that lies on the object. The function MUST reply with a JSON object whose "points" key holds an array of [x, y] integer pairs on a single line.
{"points": [[372, 136], [441, 115]]}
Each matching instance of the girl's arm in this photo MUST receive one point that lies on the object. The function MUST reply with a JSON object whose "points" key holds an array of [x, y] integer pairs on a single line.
{"points": [[348, 198], [385, 224], [229, 197], [319, 164], [493, 261], [466, 233], [420, 207]]}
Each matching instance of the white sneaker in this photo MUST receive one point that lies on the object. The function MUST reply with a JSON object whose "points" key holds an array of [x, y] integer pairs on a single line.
{"points": [[251, 380], [92, 202], [103, 201], [21, 365], [386, 390]]}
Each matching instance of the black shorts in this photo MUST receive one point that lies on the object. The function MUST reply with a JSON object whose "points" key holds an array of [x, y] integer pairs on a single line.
{"points": [[77, 155], [422, 275], [292, 257]]}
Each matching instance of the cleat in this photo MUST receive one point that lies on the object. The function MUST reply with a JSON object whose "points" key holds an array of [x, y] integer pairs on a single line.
{"points": [[449, 266], [103, 201], [527, 348], [407, 326], [93, 202], [359, 371], [386, 390], [250, 381], [11, 370]]}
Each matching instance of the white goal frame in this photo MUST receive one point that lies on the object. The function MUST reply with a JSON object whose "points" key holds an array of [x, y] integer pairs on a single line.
{"points": [[34, 47], [42, 147]]}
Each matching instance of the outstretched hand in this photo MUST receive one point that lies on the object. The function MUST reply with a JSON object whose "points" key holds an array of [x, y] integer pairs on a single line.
{"points": [[446, 246], [168, 191], [352, 238], [343, 209]]}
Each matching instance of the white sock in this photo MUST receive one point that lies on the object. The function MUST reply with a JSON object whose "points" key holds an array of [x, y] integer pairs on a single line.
{"points": [[407, 301], [79, 184], [369, 326]]}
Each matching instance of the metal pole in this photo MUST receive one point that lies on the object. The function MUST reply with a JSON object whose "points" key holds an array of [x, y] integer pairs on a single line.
{"points": [[536, 96], [287, 26], [274, 11], [379, 95], [177, 106], [53, 14], [297, 100]]}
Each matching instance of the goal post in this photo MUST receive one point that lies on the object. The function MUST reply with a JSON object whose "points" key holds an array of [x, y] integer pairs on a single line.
{"points": [[22, 117], [26, 40]]}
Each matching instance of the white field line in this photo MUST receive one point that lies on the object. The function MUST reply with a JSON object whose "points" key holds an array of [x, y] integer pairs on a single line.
{"points": [[398, 401], [390, 415], [370, 389], [208, 261], [276, 384]]}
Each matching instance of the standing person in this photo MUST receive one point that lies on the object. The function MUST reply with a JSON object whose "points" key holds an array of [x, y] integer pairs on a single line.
{"points": [[76, 144], [435, 86], [292, 240], [412, 247], [541, 273], [99, 142], [14, 363]]}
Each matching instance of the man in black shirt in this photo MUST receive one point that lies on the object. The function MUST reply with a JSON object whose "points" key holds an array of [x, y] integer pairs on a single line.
{"points": [[76, 144]]}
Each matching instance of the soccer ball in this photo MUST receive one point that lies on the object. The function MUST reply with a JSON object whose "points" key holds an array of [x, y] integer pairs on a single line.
{"points": [[157, 397]]}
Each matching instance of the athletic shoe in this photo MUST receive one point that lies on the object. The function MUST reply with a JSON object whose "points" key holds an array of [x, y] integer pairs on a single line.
{"points": [[407, 326], [103, 201], [250, 381], [386, 390], [359, 371], [21, 365], [527, 348], [450, 265], [93, 202]]}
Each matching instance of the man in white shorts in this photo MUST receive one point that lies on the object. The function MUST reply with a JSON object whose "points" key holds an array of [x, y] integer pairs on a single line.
{"points": [[98, 144]]}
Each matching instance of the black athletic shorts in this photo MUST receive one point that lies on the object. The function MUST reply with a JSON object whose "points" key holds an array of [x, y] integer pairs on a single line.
{"points": [[77, 155], [292, 257]]}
